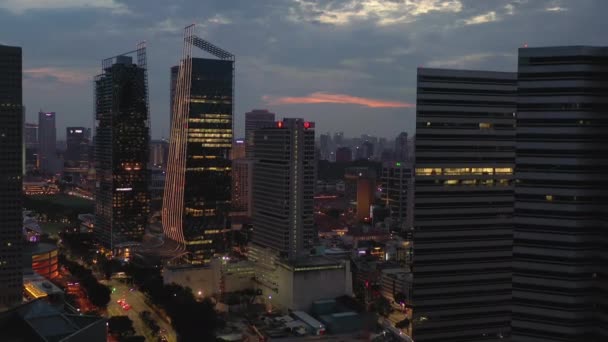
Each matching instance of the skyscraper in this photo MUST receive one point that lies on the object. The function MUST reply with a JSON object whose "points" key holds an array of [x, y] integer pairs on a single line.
{"points": [[401, 148], [324, 146], [242, 178], [77, 152], [560, 249], [238, 149], [463, 224], [283, 187], [121, 150], [47, 142], [196, 202], [256, 119], [31, 135], [398, 194], [11, 140]]}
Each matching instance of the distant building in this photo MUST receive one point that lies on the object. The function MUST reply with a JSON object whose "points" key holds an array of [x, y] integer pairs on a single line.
{"points": [[398, 194], [76, 157], [11, 164], [159, 151], [351, 177], [121, 151], [325, 146], [284, 170], [401, 148], [47, 142], [238, 149], [156, 188], [344, 154], [242, 179], [366, 193], [256, 119], [77, 152], [31, 135]]}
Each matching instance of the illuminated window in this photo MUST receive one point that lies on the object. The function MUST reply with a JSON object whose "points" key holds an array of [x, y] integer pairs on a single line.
{"points": [[451, 182], [482, 171], [485, 125], [549, 198], [469, 182], [428, 171], [504, 170]]}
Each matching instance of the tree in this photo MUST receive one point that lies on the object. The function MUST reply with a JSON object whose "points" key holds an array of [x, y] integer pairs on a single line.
{"points": [[120, 326]]}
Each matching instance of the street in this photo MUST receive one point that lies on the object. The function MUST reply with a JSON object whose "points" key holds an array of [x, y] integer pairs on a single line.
{"points": [[137, 301]]}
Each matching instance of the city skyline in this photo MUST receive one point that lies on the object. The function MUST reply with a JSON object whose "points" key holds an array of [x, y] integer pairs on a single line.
{"points": [[343, 40]]}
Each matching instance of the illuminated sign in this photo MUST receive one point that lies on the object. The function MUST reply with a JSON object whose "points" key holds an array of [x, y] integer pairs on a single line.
{"points": [[124, 189], [240, 141], [49, 114], [78, 131]]}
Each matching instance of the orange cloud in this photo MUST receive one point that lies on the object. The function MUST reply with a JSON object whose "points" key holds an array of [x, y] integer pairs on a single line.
{"points": [[320, 97], [61, 75]]}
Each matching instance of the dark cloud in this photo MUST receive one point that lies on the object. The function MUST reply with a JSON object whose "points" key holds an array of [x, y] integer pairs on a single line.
{"points": [[287, 49]]}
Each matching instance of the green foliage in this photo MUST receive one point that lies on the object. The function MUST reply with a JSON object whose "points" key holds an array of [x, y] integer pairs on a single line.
{"points": [[99, 294], [191, 319], [120, 326]]}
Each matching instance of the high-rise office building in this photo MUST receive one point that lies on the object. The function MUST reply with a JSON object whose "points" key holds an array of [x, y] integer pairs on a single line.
{"points": [[238, 149], [196, 203], [398, 194], [11, 150], [159, 152], [122, 138], [30, 138], [463, 216], [560, 249], [47, 142], [242, 178], [31, 135], [256, 119], [283, 187], [324, 146], [366, 194], [401, 148], [77, 151]]}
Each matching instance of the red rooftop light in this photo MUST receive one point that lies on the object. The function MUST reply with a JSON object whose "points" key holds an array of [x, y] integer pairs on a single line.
{"points": [[306, 124], [280, 124]]}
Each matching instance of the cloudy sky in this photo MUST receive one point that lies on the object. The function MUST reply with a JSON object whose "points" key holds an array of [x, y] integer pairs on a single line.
{"points": [[349, 65]]}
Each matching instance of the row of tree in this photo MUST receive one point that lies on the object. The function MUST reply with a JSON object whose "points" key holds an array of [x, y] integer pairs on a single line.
{"points": [[98, 293], [192, 320]]}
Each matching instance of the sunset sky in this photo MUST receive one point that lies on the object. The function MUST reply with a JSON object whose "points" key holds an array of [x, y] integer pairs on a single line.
{"points": [[349, 65]]}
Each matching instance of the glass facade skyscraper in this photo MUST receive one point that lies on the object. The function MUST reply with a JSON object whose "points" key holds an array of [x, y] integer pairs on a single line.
{"points": [[196, 202], [121, 151], [11, 142], [463, 214]]}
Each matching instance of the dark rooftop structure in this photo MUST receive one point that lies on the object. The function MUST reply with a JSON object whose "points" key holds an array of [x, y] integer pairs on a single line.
{"points": [[38, 321]]}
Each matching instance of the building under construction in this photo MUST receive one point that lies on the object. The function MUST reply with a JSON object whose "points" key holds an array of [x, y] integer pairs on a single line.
{"points": [[122, 136]]}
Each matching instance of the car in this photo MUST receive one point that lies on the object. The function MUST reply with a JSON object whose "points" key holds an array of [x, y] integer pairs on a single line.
{"points": [[163, 338], [126, 307]]}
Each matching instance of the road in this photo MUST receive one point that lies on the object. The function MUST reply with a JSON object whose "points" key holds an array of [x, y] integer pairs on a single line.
{"points": [[137, 301]]}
